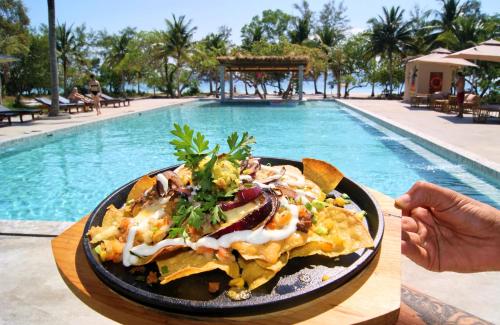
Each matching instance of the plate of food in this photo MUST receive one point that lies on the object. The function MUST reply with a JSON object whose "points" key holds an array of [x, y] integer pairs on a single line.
{"points": [[232, 234]]}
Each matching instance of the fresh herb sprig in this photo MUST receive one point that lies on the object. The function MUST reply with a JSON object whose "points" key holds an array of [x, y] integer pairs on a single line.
{"points": [[192, 148]]}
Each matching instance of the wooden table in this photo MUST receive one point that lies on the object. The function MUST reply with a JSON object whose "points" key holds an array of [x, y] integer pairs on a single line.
{"points": [[372, 297]]}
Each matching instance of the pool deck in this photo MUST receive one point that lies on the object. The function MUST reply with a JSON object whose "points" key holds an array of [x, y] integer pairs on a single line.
{"points": [[46, 299], [476, 145], [42, 125]]}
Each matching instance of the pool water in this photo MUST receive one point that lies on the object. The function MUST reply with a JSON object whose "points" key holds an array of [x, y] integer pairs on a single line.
{"points": [[64, 176]]}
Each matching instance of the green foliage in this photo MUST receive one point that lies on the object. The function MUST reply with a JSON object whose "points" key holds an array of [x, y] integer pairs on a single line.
{"points": [[170, 61], [390, 35], [32, 71], [14, 22], [302, 24]]}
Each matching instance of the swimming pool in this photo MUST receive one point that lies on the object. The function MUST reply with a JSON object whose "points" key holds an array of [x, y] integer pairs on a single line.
{"points": [[64, 176]]}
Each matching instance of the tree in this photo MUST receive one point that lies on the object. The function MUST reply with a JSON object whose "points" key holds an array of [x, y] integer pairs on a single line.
{"points": [[275, 24], [331, 29], [54, 108], [336, 61], [116, 60], [205, 54], [66, 47], [14, 33], [420, 42], [252, 32], [14, 23], [302, 24], [389, 35], [178, 43], [356, 62], [32, 72]]}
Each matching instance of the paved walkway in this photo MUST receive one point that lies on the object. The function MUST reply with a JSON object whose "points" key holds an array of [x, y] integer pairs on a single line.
{"points": [[44, 124], [480, 142]]}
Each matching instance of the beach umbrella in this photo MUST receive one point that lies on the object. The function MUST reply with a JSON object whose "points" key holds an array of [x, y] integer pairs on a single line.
{"points": [[5, 59], [486, 51], [441, 56]]}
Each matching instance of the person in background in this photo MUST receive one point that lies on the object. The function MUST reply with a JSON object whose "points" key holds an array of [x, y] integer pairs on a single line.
{"points": [[95, 90], [460, 86], [75, 97], [443, 230]]}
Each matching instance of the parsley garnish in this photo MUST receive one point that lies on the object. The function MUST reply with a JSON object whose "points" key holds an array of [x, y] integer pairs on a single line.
{"points": [[193, 150]]}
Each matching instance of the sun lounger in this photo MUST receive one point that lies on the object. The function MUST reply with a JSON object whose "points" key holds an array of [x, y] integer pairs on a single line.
{"points": [[481, 113], [111, 100], [4, 111], [79, 103], [471, 102], [66, 107], [8, 116]]}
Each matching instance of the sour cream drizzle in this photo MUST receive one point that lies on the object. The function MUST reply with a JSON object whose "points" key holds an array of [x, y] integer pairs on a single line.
{"points": [[257, 236], [141, 223], [163, 180]]}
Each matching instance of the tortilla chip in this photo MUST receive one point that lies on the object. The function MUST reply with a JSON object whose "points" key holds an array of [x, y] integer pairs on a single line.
{"points": [[159, 254], [143, 184], [322, 173], [270, 252], [257, 273], [346, 234], [112, 217], [189, 262]]}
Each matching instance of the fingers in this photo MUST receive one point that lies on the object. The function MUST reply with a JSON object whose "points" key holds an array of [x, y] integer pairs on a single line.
{"points": [[427, 195], [415, 253], [409, 224]]}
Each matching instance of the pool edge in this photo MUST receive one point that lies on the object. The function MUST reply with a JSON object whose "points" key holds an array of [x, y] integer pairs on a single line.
{"points": [[31, 137], [474, 163]]}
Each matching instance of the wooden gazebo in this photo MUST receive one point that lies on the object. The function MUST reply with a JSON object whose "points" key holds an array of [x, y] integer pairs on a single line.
{"points": [[246, 63]]}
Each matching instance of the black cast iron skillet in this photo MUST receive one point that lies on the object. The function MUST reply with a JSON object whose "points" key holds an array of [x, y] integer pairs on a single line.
{"points": [[301, 280]]}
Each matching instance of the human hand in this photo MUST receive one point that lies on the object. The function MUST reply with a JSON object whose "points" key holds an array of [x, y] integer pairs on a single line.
{"points": [[443, 230]]}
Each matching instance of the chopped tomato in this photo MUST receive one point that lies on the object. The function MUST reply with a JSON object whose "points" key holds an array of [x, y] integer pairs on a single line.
{"points": [[224, 255], [152, 278], [213, 287], [204, 250]]}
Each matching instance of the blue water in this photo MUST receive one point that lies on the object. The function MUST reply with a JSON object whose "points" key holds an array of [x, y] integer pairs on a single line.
{"points": [[65, 176]]}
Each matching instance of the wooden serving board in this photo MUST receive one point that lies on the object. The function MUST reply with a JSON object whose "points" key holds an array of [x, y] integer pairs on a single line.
{"points": [[372, 297]]}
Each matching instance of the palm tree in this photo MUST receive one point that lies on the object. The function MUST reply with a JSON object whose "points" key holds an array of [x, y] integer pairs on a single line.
{"points": [[330, 31], [66, 47], [178, 43], [117, 54], [389, 35], [420, 41], [54, 108], [302, 23], [252, 33], [444, 26]]}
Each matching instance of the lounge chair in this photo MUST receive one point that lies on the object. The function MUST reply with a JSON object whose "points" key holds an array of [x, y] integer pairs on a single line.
{"points": [[79, 103], [66, 107], [5, 112], [111, 100], [471, 102], [8, 116], [481, 113]]}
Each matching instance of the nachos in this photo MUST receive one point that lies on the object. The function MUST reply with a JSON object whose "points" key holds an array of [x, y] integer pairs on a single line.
{"points": [[230, 212]]}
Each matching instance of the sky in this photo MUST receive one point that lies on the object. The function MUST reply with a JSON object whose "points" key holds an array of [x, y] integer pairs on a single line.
{"points": [[114, 15]]}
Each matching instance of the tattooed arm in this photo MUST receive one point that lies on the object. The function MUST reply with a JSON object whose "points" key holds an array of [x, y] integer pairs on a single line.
{"points": [[418, 308]]}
